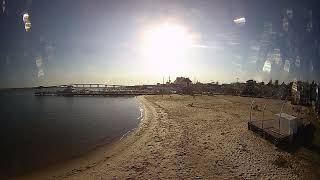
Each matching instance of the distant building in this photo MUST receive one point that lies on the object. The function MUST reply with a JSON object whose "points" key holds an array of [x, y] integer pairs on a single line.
{"points": [[183, 82]]}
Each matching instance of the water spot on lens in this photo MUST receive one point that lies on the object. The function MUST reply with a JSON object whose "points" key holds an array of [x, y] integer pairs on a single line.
{"points": [[240, 21], [39, 61], [267, 66], [3, 6], [40, 73], [286, 65], [26, 21], [298, 61]]}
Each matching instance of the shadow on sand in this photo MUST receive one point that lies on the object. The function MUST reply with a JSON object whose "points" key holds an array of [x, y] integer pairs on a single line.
{"points": [[303, 139]]}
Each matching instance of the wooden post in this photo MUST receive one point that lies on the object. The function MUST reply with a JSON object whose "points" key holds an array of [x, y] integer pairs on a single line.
{"points": [[251, 108], [264, 108], [285, 101]]}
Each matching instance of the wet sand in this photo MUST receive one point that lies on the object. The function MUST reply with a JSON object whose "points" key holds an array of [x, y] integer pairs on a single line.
{"points": [[182, 137]]}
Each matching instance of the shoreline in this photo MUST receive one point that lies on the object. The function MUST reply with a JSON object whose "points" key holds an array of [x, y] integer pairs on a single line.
{"points": [[97, 155], [182, 137]]}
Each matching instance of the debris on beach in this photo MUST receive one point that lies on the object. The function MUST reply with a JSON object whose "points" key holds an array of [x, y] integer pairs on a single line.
{"points": [[190, 105]]}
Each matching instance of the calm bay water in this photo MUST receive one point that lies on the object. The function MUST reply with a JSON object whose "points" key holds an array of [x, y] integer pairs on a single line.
{"points": [[36, 131]]}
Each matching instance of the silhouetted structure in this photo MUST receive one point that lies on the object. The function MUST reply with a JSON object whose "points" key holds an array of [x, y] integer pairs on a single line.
{"points": [[250, 88], [183, 82]]}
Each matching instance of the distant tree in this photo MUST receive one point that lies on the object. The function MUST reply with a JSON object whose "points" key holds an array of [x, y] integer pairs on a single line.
{"points": [[276, 83], [270, 83]]}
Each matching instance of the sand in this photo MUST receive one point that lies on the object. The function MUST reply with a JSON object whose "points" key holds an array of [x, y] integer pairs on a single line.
{"points": [[185, 137]]}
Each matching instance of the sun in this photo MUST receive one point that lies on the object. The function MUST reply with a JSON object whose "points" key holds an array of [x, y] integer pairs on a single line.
{"points": [[164, 48]]}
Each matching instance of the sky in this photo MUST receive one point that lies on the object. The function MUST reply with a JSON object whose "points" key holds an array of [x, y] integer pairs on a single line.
{"points": [[130, 42]]}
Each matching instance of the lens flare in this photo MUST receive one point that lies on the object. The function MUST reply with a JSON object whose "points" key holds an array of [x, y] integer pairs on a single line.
{"points": [[164, 46]]}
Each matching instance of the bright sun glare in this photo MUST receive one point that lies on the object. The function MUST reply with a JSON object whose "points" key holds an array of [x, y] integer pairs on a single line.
{"points": [[164, 47]]}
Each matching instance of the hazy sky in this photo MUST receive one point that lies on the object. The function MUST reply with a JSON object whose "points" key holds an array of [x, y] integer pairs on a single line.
{"points": [[126, 42]]}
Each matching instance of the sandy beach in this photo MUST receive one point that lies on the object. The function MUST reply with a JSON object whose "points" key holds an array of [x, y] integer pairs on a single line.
{"points": [[185, 137]]}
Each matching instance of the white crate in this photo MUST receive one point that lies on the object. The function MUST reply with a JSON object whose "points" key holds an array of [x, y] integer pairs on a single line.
{"points": [[288, 124]]}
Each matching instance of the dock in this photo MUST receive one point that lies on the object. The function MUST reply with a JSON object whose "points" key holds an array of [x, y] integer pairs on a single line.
{"points": [[93, 90], [94, 94]]}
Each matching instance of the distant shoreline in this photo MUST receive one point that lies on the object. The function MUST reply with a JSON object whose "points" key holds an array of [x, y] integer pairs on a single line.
{"points": [[10, 89]]}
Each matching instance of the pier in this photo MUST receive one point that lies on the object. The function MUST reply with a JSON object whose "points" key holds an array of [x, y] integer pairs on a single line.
{"points": [[94, 89]]}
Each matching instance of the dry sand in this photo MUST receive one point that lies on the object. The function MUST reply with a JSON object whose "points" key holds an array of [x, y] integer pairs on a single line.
{"points": [[206, 140]]}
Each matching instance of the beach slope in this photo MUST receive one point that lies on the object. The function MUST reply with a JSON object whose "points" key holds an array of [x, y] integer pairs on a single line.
{"points": [[191, 137]]}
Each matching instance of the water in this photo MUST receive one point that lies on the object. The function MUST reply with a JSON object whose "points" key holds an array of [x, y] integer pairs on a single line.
{"points": [[36, 131]]}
